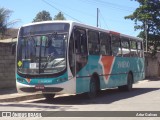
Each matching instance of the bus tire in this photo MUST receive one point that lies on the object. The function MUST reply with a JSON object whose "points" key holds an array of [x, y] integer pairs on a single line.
{"points": [[49, 96], [93, 88], [129, 85]]}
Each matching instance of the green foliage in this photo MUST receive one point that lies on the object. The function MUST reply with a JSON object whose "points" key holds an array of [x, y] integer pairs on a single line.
{"points": [[148, 13], [4, 16], [42, 16], [59, 16]]}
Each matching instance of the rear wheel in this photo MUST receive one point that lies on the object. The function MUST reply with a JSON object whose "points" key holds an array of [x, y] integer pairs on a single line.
{"points": [[49, 96], [129, 85]]}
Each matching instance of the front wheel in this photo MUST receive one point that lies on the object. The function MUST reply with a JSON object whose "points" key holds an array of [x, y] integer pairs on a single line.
{"points": [[49, 96], [93, 88]]}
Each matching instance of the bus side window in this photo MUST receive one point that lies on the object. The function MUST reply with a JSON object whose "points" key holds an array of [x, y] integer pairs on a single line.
{"points": [[133, 48], [105, 44], [125, 47], [93, 43], [80, 48], [80, 41], [140, 49], [115, 43], [77, 35]]}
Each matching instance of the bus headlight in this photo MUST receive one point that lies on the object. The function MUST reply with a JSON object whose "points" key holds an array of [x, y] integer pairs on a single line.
{"points": [[21, 80]]}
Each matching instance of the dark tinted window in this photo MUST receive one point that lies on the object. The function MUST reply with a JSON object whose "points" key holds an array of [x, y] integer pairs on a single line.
{"points": [[133, 48], [93, 42], [105, 44], [125, 42], [133, 44], [44, 28], [125, 46], [80, 41], [140, 49], [115, 43]]}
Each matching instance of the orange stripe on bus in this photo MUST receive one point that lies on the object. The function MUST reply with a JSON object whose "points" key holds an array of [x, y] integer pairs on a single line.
{"points": [[107, 64], [115, 33]]}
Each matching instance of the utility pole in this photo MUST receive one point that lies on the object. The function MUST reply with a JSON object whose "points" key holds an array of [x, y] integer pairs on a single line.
{"points": [[97, 17]]}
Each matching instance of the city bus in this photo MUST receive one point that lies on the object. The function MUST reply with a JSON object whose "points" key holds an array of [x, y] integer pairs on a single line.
{"points": [[67, 57]]}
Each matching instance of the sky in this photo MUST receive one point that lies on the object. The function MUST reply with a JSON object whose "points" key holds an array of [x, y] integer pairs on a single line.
{"points": [[111, 12]]}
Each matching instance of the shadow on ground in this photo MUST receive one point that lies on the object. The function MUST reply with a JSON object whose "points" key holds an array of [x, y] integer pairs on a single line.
{"points": [[8, 91], [153, 78], [104, 97], [59, 103]]}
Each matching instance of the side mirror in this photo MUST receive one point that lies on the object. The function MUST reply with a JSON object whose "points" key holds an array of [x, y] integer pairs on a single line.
{"points": [[13, 48]]}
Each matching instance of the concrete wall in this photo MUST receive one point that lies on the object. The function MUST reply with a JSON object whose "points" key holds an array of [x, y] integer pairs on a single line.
{"points": [[152, 64], [7, 66]]}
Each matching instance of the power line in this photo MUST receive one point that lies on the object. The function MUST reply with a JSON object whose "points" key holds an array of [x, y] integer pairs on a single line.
{"points": [[75, 10], [103, 20], [60, 10], [112, 5], [80, 12]]}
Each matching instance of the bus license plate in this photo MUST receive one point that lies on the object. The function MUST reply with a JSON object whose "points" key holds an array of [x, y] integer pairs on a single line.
{"points": [[39, 87]]}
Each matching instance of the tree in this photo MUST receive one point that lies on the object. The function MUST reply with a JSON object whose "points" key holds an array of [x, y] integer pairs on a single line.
{"points": [[59, 16], [147, 19], [42, 16], [4, 16]]}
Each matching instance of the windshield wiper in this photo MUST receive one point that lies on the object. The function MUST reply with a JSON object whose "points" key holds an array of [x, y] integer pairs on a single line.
{"points": [[53, 65], [58, 63]]}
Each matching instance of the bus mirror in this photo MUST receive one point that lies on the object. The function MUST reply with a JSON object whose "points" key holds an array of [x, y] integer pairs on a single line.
{"points": [[13, 48]]}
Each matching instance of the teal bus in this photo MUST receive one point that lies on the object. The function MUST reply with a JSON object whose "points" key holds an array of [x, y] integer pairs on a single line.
{"points": [[66, 57]]}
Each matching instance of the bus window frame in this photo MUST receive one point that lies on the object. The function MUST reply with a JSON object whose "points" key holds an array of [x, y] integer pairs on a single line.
{"points": [[86, 33], [81, 58], [95, 31], [125, 39], [118, 39], [141, 55], [108, 40], [134, 49]]}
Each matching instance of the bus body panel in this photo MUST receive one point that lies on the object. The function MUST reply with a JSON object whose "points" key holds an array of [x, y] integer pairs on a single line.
{"points": [[112, 71], [58, 82], [84, 75]]}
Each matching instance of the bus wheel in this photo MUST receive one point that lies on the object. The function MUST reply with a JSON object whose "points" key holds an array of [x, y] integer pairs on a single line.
{"points": [[129, 85], [93, 88], [49, 96], [129, 82]]}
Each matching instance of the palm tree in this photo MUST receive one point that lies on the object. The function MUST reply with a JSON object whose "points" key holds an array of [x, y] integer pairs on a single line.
{"points": [[4, 23]]}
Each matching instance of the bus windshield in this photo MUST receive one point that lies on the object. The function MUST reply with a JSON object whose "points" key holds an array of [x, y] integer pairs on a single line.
{"points": [[41, 51]]}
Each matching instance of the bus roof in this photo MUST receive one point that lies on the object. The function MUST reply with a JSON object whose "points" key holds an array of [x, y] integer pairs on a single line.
{"points": [[45, 22], [73, 23]]}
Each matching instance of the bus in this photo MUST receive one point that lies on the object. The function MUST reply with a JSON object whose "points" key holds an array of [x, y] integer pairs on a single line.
{"points": [[67, 57]]}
